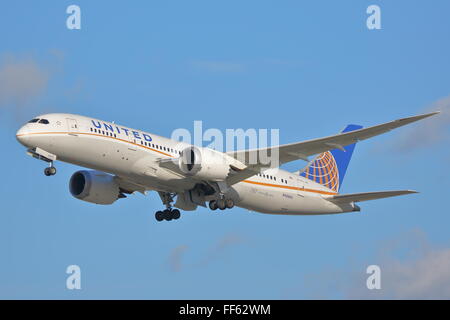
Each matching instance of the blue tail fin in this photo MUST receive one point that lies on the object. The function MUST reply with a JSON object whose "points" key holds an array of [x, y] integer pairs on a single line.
{"points": [[329, 168]]}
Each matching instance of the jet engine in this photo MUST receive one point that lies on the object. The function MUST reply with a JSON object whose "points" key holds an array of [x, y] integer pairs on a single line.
{"points": [[95, 187], [206, 163]]}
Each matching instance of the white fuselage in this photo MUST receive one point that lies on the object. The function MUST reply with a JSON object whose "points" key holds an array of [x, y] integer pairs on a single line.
{"points": [[133, 155]]}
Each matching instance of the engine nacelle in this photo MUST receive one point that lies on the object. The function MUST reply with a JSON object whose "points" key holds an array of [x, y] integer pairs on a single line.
{"points": [[205, 163], [94, 186]]}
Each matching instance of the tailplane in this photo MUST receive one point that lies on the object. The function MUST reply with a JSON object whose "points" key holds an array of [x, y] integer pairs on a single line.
{"points": [[329, 168], [366, 196]]}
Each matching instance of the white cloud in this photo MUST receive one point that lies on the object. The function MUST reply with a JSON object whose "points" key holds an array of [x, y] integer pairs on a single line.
{"points": [[428, 132], [21, 81], [224, 243], [427, 277], [176, 257], [411, 268]]}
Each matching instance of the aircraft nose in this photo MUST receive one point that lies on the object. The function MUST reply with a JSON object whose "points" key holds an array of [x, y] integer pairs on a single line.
{"points": [[21, 135]]}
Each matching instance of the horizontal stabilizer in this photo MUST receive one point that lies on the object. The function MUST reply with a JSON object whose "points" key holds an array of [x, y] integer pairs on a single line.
{"points": [[365, 196]]}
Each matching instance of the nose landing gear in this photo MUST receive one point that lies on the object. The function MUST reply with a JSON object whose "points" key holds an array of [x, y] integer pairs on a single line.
{"points": [[50, 171], [46, 156]]}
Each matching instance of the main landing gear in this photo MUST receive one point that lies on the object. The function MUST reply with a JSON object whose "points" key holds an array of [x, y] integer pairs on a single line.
{"points": [[168, 214], [50, 171], [221, 204]]}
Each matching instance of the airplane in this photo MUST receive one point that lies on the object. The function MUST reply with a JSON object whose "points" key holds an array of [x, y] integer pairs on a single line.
{"points": [[124, 161]]}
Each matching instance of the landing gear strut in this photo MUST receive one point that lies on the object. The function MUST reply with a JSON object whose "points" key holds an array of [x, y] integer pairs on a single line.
{"points": [[222, 203], [168, 214], [50, 171], [46, 156]]}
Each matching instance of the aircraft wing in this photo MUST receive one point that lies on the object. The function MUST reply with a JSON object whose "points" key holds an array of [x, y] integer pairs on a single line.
{"points": [[128, 186], [302, 150], [238, 176], [365, 196]]}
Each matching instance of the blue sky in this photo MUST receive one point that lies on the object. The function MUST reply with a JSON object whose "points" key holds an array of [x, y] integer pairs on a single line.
{"points": [[305, 67]]}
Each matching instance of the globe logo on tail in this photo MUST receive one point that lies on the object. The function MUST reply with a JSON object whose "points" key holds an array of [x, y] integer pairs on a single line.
{"points": [[323, 170]]}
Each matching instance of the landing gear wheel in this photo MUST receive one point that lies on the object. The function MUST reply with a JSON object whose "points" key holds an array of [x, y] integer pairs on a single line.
{"points": [[229, 203], [168, 215], [221, 204], [213, 205], [176, 214], [159, 216], [50, 171]]}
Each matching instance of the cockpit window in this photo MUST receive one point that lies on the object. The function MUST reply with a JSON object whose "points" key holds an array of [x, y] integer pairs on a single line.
{"points": [[44, 121], [33, 120]]}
